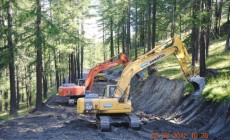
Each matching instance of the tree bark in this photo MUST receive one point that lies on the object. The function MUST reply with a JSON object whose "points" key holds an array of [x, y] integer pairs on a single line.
{"points": [[18, 88], [202, 54], [154, 23], [82, 51], [123, 39], [149, 32], [103, 43], [69, 68], [1, 107], [227, 47], [118, 40], [45, 87], [128, 42], [142, 32], [195, 32], [202, 43], [208, 22], [135, 41], [56, 69], [73, 78], [173, 18], [38, 45], [228, 14], [218, 12], [13, 102], [149, 25], [111, 38], [78, 63]]}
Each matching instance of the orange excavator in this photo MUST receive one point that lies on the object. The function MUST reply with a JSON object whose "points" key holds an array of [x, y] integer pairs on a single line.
{"points": [[76, 91]]}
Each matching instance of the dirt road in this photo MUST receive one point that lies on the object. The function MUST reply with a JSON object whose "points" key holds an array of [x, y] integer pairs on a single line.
{"points": [[168, 115]]}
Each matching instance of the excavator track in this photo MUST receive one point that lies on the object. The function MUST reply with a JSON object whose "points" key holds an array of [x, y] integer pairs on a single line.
{"points": [[134, 121], [103, 123]]}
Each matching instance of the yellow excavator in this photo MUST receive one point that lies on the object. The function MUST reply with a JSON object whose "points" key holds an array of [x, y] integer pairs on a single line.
{"points": [[115, 106]]}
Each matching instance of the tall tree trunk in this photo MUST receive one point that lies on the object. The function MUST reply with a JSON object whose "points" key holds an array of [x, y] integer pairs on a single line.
{"points": [[208, 22], [135, 42], [69, 68], [218, 12], [227, 47], [13, 102], [142, 32], [228, 14], [149, 25], [173, 18], [118, 40], [18, 88], [154, 23], [75, 65], [60, 80], [180, 27], [38, 45], [111, 38], [82, 51], [103, 43], [73, 78], [123, 39], [216, 17], [202, 54], [45, 87], [1, 107], [145, 31], [195, 32], [27, 87], [56, 69], [78, 63], [82, 60], [128, 42], [149, 32]]}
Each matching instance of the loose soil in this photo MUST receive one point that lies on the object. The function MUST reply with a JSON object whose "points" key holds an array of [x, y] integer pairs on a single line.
{"points": [[160, 103]]}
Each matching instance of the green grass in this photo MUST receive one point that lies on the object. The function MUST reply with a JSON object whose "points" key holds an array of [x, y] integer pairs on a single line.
{"points": [[217, 88], [23, 110]]}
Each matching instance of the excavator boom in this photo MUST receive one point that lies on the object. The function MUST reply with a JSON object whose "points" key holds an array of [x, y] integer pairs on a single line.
{"points": [[177, 48]]}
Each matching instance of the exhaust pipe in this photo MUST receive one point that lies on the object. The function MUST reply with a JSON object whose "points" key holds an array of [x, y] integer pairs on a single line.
{"points": [[198, 85]]}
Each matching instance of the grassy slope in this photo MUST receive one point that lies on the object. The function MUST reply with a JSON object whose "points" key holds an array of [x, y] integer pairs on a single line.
{"points": [[23, 108], [218, 88]]}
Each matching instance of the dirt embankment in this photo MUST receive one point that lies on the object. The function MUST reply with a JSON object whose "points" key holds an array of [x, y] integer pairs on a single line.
{"points": [[158, 102], [164, 99]]}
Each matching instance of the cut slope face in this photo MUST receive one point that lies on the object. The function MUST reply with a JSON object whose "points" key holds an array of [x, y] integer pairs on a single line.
{"points": [[164, 98]]}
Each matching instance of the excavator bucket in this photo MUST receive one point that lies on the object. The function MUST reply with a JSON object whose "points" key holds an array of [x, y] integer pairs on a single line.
{"points": [[198, 85]]}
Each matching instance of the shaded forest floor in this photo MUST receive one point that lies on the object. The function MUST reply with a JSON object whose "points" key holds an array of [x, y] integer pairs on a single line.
{"points": [[170, 115]]}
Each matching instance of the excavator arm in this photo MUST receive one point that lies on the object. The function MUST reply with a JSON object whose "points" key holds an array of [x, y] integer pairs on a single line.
{"points": [[104, 66], [177, 48]]}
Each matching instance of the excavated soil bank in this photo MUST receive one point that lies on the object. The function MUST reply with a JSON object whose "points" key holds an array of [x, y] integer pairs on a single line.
{"points": [[164, 99]]}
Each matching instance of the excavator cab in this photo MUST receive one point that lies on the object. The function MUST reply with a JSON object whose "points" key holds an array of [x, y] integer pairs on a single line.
{"points": [[81, 82], [109, 91]]}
